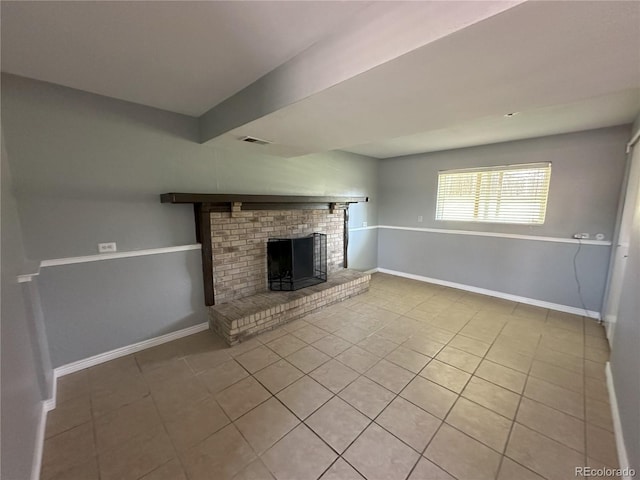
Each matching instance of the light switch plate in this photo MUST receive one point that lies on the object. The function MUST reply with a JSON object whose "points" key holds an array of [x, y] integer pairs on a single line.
{"points": [[109, 247]]}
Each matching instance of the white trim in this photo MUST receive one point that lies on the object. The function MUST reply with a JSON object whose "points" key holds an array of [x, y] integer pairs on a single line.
{"points": [[27, 277], [493, 293], [54, 262], [357, 229], [373, 270], [623, 459], [501, 235], [121, 352], [38, 449], [632, 142]]}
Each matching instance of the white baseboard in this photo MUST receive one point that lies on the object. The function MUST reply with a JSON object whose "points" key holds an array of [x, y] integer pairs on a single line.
{"points": [[623, 459], [373, 270], [39, 444], [121, 352], [493, 293]]}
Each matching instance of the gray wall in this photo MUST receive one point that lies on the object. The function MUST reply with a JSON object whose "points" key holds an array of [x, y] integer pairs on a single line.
{"points": [[89, 169], [625, 351], [587, 172], [21, 394]]}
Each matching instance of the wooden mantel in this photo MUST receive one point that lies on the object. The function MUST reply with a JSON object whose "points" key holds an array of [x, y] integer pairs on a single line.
{"points": [[205, 203]]}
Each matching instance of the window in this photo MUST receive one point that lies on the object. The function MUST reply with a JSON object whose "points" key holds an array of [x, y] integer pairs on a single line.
{"points": [[507, 194]]}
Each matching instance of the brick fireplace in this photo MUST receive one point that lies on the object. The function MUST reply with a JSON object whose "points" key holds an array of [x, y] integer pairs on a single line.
{"points": [[234, 231]]}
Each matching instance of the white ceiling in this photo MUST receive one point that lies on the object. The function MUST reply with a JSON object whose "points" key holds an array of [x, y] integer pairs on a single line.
{"points": [[565, 66], [184, 57]]}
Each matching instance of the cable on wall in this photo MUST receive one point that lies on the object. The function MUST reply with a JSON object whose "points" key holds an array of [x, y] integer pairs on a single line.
{"points": [[575, 274]]}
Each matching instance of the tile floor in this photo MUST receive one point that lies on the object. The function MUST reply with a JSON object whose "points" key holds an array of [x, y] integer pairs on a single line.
{"points": [[408, 381]]}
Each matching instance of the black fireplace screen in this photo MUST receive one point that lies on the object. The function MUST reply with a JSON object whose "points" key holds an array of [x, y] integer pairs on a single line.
{"points": [[296, 263]]}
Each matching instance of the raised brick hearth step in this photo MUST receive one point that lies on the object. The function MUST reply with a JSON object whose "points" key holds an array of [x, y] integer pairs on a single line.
{"points": [[240, 319]]}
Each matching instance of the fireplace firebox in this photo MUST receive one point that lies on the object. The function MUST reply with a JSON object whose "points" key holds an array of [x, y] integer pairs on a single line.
{"points": [[295, 263]]}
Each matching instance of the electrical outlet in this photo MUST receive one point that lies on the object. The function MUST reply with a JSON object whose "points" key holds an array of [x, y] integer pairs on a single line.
{"points": [[364, 224], [581, 236], [599, 236], [107, 247], [420, 218]]}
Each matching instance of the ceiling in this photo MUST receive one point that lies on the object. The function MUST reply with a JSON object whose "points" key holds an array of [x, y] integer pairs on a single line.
{"points": [[563, 66]]}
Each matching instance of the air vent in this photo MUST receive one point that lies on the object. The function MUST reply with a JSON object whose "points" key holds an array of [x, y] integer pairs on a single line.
{"points": [[257, 141]]}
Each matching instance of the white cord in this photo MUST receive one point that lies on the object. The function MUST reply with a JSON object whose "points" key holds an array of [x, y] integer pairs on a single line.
{"points": [[575, 274]]}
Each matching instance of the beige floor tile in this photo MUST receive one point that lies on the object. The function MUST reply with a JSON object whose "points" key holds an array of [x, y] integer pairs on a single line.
{"points": [[367, 396], [120, 425], [599, 414], [308, 358], [482, 333], [564, 335], [241, 397], [352, 334], [510, 358], [269, 336], [109, 373], [429, 396], [377, 345], [553, 423], [173, 397], [310, 334], [244, 347], [564, 320], [266, 424], [332, 345], [593, 328], [459, 359], [358, 359], [530, 311], [195, 423], [108, 397], [502, 376], [337, 423], [256, 470], [68, 449], [286, 345], [278, 376], [341, 470], [221, 456], [409, 423], [299, 455], [563, 346], [596, 355], [164, 375], [223, 376], [257, 359], [72, 386], [491, 396], [523, 343], [334, 375], [596, 389], [424, 345], [601, 445], [68, 414], [408, 359], [296, 325], [389, 375], [480, 423], [462, 456], [556, 397], [557, 375], [427, 470], [594, 370], [172, 470], [87, 470], [470, 345], [436, 334], [137, 456], [510, 470], [445, 375], [560, 359], [544, 456], [201, 361], [378, 455], [304, 396], [158, 356]]}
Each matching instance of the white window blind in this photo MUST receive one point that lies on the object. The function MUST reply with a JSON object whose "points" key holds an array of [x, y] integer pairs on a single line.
{"points": [[506, 194]]}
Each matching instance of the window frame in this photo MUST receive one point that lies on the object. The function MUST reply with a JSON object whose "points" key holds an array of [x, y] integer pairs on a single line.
{"points": [[484, 176]]}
